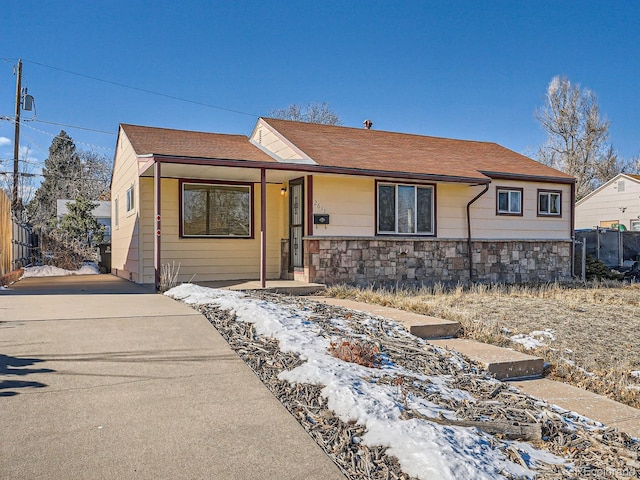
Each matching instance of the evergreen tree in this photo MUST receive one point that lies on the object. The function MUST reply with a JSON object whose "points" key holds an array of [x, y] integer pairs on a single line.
{"points": [[80, 223], [62, 172]]}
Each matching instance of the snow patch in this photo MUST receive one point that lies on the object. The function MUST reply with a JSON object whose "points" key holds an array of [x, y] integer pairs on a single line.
{"points": [[50, 271], [535, 339], [425, 449]]}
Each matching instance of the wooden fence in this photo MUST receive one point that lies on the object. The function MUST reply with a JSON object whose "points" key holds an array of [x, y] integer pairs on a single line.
{"points": [[6, 234], [16, 239]]}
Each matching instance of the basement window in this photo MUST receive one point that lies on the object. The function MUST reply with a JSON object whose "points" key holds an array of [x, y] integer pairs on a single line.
{"points": [[217, 210], [509, 201]]}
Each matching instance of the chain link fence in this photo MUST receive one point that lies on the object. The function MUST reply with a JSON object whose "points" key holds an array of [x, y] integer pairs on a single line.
{"points": [[615, 248]]}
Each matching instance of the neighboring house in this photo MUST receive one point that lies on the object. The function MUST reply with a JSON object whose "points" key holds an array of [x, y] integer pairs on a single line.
{"points": [[331, 204], [617, 202], [102, 213]]}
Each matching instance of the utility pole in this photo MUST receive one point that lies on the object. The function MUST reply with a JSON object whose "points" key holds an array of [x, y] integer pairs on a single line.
{"points": [[16, 140]]}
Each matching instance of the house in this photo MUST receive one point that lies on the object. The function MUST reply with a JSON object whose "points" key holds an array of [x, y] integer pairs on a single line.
{"points": [[615, 203], [330, 204], [102, 212]]}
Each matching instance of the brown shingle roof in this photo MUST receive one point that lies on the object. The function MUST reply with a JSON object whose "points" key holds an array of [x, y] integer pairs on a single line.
{"points": [[183, 143], [637, 177], [388, 151]]}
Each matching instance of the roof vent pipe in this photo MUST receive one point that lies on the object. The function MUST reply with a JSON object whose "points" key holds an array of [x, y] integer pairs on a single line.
{"points": [[367, 124]]}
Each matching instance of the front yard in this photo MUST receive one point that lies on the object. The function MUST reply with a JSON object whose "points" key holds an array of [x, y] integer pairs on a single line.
{"points": [[589, 335]]}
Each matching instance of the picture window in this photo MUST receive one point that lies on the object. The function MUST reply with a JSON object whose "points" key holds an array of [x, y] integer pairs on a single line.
{"points": [[216, 210]]}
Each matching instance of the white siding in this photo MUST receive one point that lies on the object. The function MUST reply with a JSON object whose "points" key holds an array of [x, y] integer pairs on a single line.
{"points": [[609, 203]]}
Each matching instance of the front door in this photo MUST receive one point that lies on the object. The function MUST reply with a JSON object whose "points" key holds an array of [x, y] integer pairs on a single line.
{"points": [[296, 222]]}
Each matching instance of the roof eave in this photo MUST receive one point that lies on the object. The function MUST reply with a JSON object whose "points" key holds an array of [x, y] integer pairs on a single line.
{"points": [[225, 162], [528, 177]]}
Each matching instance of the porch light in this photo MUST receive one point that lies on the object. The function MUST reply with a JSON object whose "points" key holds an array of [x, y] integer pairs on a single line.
{"points": [[283, 191]]}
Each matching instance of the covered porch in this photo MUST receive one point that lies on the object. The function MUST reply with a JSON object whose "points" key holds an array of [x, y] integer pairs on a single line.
{"points": [[265, 203]]}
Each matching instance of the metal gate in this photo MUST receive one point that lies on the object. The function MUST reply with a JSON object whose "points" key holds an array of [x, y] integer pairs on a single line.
{"points": [[296, 223]]}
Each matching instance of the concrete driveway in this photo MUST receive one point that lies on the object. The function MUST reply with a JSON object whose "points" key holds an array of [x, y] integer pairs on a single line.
{"points": [[100, 379]]}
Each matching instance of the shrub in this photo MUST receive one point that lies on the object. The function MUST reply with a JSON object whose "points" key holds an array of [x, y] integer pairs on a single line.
{"points": [[357, 351]]}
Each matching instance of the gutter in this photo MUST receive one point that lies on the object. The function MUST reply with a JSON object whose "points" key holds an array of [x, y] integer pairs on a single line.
{"points": [[307, 168], [486, 188]]}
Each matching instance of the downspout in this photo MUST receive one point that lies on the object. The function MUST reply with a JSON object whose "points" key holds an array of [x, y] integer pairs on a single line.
{"points": [[469, 253], [263, 228], [571, 230]]}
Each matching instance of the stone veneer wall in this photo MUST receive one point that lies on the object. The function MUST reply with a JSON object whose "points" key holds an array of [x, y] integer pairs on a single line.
{"points": [[365, 261]]}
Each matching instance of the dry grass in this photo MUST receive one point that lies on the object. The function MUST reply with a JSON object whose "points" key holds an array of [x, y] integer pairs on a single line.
{"points": [[596, 326]]}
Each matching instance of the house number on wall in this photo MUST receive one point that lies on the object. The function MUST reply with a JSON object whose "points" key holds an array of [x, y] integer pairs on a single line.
{"points": [[317, 206]]}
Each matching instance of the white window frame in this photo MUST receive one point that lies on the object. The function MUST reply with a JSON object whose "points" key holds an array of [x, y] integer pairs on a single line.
{"points": [[130, 199], [510, 201], [550, 194], [634, 225], [116, 213], [415, 186]]}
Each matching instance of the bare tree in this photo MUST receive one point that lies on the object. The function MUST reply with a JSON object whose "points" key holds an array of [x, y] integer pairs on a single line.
{"points": [[578, 136], [96, 172], [311, 113], [26, 176]]}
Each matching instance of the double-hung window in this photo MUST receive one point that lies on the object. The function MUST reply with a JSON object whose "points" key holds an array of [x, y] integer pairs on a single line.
{"points": [[509, 201], [405, 209], [216, 210], [549, 203]]}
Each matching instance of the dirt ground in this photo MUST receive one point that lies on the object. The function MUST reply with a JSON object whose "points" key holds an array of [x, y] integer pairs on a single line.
{"points": [[596, 328]]}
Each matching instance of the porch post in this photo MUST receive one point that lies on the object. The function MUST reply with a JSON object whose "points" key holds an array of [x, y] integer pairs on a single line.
{"points": [[263, 228], [156, 249]]}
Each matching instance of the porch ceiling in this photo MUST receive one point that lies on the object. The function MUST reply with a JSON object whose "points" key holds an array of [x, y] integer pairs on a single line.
{"points": [[213, 172]]}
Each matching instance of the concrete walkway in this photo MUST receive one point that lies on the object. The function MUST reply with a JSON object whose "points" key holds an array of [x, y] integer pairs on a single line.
{"points": [[591, 405], [100, 379]]}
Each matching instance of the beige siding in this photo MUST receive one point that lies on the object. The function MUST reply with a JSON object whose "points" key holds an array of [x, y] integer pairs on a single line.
{"points": [[486, 224], [609, 204], [349, 202], [451, 204], [205, 259], [274, 144], [124, 234]]}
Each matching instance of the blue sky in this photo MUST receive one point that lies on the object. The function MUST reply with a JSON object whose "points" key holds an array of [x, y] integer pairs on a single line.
{"points": [[470, 70]]}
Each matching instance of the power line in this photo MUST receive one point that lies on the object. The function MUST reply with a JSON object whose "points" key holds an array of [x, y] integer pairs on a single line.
{"points": [[53, 135], [144, 90], [69, 126]]}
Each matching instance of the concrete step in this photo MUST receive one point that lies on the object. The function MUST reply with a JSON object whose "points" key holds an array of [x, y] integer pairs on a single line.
{"points": [[422, 326], [503, 363], [591, 405], [285, 287]]}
